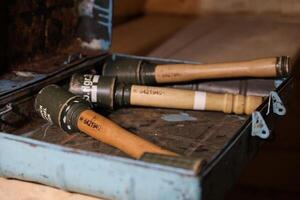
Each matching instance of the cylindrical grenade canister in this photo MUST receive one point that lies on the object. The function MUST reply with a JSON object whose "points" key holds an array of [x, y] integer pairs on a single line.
{"points": [[100, 90], [130, 71], [59, 107], [94, 88]]}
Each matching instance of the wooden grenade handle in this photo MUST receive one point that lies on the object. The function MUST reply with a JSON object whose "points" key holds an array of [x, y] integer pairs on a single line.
{"points": [[195, 100], [266, 67], [229, 103], [110, 133]]}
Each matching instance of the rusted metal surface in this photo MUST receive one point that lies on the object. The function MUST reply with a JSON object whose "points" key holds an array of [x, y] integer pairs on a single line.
{"points": [[44, 32], [17, 79], [38, 27]]}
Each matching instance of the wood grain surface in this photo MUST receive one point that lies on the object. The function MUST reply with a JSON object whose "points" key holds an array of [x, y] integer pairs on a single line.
{"points": [[161, 97], [263, 67], [221, 38], [287, 7], [143, 34], [189, 7]]}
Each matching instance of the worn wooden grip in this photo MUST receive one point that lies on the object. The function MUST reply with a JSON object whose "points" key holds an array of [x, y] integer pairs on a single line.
{"points": [[267, 67], [229, 103], [195, 100], [110, 133]]}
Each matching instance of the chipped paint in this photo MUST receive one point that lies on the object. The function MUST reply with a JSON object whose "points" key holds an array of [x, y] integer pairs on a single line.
{"points": [[178, 117], [85, 8], [94, 174], [278, 82], [25, 74]]}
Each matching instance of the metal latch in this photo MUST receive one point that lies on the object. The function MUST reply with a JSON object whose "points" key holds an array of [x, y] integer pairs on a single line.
{"points": [[259, 126], [6, 109], [277, 105]]}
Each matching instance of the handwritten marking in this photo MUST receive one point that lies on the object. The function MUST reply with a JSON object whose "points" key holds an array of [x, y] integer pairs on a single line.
{"points": [[91, 123], [149, 91]]}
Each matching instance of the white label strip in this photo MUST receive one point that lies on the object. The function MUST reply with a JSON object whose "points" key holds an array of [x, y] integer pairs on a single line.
{"points": [[94, 94], [96, 78], [199, 100]]}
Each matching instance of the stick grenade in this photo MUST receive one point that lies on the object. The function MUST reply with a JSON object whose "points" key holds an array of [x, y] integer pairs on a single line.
{"points": [[141, 72], [105, 92], [73, 114]]}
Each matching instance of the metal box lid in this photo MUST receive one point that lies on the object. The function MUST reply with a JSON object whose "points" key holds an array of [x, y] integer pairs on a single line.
{"points": [[47, 38]]}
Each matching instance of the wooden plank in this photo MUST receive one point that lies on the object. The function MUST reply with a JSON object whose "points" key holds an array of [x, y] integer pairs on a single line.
{"points": [[21, 190], [252, 6], [141, 35], [187, 7], [126, 9], [233, 37]]}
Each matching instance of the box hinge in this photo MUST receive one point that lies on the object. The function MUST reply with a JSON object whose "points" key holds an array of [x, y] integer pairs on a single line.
{"points": [[277, 104], [259, 126]]}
